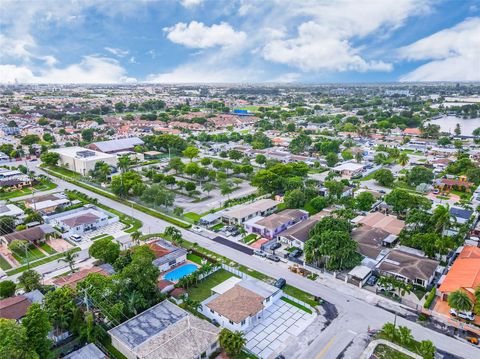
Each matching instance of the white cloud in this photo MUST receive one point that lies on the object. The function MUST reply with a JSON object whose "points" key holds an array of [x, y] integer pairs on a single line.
{"points": [[453, 54], [91, 69], [117, 52], [324, 42], [198, 35], [190, 3]]}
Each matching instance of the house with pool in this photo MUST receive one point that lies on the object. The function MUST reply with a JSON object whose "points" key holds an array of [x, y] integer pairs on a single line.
{"points": [[167, 256], [240, 304]]}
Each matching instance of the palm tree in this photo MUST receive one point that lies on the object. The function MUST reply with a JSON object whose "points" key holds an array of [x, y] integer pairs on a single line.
{"points": [[136, 236], [135, 301], [358, 157], [69, 258], [173, 234], [441, 218], [123, 163], [389, 331], [476, 307], [232, 342], [403, 159], [426, 349], [459, 300]]}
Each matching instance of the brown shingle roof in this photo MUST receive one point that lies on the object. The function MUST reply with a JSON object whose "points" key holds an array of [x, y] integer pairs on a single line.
{"points": [[409, 265], [82, 219], [14, 307], [369, 240], [237, 304], [72, 279]]}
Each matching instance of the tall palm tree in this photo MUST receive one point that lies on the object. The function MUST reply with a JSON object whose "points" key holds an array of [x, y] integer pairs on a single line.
{"points": [[389, 331], [69, 258], [404, 335], [135, 302], [402, 159], [441, 218], [232, 342], [136, 236], [459, 300], [123, 163], [426, 349]]}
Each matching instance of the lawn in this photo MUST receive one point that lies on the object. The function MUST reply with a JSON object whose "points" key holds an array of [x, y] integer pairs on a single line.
{"points": [[47, 248], [40, 262], [203, 289], [250, 238], [217, 227], [65, 172], [4, 264], [101, 236], [369, 177], [195, 217], [42, 186], [300, 295], [299, 306], [385, 352], [194, 258], [33, 254]]}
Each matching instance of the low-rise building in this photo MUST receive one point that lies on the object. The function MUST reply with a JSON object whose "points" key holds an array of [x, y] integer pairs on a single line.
{"points": [[349, 169], [165, 331], [166, 254], [47, 203], [270, 226], [82, 160], [242, 213], [72, 279], [390, 224], [11, 210], [89, 351], [33, 235], [117, 145]]}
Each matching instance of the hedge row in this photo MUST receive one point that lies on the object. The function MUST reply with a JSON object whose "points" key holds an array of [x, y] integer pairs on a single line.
{"points": [[430, 298], [123, 201]]}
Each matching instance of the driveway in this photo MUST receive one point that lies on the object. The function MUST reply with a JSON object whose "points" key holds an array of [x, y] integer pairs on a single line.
{"points": [[281, 323]]}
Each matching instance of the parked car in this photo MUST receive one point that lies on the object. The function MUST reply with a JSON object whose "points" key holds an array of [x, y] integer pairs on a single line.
{"points": [[280, 283], [295, 253], [273, 257], [462, 315], [259, 253], [386, 288], [372, 280], [197, 229], [436, 191], [275, 245]]}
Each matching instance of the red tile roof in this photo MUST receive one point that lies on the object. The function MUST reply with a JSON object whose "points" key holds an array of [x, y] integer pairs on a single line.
{"points": [[14, 307]]}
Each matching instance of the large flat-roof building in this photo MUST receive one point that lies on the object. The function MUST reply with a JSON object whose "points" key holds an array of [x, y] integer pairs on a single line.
{"points": [[82, 160], [118, 145], [165, 331]]}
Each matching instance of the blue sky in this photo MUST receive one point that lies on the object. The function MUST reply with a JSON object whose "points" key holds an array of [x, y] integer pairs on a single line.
{"points": [[196, 41]]}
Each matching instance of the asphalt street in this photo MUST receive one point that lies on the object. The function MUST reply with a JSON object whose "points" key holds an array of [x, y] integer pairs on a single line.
{"points": [[358, 310]]}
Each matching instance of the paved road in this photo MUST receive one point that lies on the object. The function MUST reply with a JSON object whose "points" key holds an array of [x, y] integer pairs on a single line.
{"points": [[357, 308]]}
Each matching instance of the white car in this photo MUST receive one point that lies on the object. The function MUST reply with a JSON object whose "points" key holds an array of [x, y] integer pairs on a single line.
{"points": [[197, 229], [76, 238], [463, 315]]}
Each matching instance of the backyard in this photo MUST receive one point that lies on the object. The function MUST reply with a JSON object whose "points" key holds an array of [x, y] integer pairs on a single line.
{"points": [[203, 289]]}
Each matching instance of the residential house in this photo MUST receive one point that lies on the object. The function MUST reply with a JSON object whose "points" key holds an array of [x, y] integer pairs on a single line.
{"points": [[166, 254], [460, 215], [47, 203], [16, 307], [390, 224], [349, 169], [409, 267], [242, 213], [89, 351], [239, 304], [372, 243], [71, 280], [270, 226], [11, 210], [34, 235], [448, 184], [165, 331]]}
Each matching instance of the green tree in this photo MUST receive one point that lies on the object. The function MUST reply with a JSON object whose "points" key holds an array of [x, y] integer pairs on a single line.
{"points": [[319, 203], [260, 159], [295, 199], [29, 280], [105, 249], [7, 289], [401, 201], [444, 141], [332, 159], [235, 155], [7, 225], [300, 144], [458, 130], [208, 187], [405, 336], [88, 134], [460, 301], [420, 174], [403, 159], [426, 349], [135, 237], [60, 307], [173, 234], [364, 201], [176, 164], [14, 341], [384, 177], [50, 158], [191, 152], [37, 327], [101, 171], [226, 188], [232, 342], [124, 163], [29, 140]]}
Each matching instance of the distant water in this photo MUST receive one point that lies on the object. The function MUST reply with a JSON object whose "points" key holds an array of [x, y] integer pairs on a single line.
{"points": [[448, 123]]}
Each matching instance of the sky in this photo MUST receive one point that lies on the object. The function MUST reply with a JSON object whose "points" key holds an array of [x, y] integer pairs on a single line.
{"points": [[239, 41]]}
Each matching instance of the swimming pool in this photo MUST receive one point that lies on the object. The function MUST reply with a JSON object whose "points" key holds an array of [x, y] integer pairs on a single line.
{"points": [[180, 272]]}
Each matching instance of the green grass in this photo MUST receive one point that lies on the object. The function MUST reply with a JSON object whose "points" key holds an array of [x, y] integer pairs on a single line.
{"points": [[300, 295], [203, 290], [4, 264], [40, 262], [250, 238], [194, 258], [311, 211], [369, 177], [245, 355], [101, 236], [299, 306], [40, 187], [217, 227], [385, 352], [195, 217], [47, 248], [33, 254]]}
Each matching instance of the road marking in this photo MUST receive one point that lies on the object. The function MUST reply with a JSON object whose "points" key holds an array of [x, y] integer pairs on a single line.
{"points": [[324, 350], [351, 331]]}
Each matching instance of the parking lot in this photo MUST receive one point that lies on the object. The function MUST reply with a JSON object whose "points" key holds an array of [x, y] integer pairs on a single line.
{"points": [[282, 322]]}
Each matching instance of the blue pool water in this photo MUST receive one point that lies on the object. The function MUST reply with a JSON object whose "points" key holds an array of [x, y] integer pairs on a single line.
{"points": [[180, 272]]}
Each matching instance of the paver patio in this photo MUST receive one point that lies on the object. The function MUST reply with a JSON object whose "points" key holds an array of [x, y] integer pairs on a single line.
{"points": [[281, 321]]}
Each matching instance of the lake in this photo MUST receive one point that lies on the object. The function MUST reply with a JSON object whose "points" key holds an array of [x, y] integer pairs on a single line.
{"points": [[448, 123]]}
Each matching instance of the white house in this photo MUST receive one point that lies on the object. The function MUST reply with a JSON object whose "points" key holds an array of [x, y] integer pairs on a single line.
{"points": [[239, 304], [81, 160]]}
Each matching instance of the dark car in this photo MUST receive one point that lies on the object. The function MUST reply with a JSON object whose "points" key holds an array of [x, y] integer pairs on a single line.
{"points": [[295, 253], [273, 257], [280, 283], [372, 280], [275, 245], [280, 357]]}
